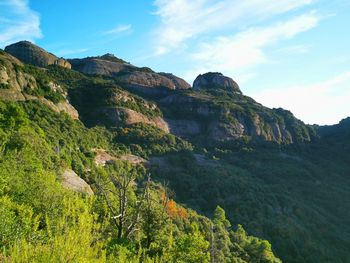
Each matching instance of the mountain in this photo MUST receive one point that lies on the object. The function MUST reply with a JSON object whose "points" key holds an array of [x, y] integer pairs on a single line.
{"points": [[29, 53], [283, 180]]}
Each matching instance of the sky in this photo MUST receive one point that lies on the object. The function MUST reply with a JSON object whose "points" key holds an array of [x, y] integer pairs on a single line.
{"points": [[293, 54]]}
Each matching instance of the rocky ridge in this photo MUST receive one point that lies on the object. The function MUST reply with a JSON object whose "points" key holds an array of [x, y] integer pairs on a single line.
{"points": [[143, 80], [214, 108], [15, 83], [29, 53]]}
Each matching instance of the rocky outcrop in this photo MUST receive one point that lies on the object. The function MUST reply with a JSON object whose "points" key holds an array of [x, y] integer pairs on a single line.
{"points": [[29, 53], [215, 80], [147, 79], [11, 78], [184, 128], [102, 158], [17, 82], [179, 82], [121, 115], [228, 118], [100, 66], [72, 181], [142, 80]]}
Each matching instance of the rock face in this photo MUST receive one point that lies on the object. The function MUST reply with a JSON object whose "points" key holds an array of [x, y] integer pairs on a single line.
{"points": [[73, 182], [179, 82], [102, 158], [101, 65], [142, 80], [127, 116], [29, 53], [16, 82], [195, 114], [215, 80]]}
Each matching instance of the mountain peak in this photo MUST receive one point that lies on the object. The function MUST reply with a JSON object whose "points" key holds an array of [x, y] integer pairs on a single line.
{"points": [[215, 80], [29, 53]]}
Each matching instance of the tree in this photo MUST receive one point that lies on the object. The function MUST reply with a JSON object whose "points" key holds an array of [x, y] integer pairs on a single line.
{"points": [[221, 243], [191, 247], [119, 193]]}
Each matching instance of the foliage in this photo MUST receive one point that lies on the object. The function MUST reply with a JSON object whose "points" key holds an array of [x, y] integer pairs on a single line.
{"points": [[145, 140], [131, 218]]}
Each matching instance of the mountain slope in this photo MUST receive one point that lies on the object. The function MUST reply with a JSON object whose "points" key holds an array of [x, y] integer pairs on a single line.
{"points": [[285, 181]]}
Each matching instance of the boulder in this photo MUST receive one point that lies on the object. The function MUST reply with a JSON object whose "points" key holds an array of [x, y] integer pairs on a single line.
{"points": [[215, 80], [73, 182]]}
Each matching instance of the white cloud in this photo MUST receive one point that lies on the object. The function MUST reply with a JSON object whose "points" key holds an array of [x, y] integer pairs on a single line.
{"points": [[118, 30], [238, 53], [18, 22], [246, 49], [182, 19], [325, 102], [296, 49]]}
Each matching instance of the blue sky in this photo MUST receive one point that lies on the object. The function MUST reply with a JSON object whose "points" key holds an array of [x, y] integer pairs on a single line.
{"points": [[288, 53]]}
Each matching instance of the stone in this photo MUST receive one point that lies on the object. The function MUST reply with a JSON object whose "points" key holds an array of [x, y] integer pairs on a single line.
{"points": [[215, 80], [29, 53], [73, 182]]}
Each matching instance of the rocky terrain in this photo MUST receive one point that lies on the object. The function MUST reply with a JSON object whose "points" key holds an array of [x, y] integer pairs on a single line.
{"points": [[32, 54], [281, 178], [18, 85], [142, 80], [214, 108], [215, 80]]}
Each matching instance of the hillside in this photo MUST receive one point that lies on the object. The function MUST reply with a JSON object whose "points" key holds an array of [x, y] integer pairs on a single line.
{"points": [[205, 147]]}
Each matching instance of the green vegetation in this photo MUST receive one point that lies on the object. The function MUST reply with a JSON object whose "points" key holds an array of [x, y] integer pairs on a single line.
{"points": [[294, 195], [4, 86], [130, 218], [43, 81], [146, 140]]}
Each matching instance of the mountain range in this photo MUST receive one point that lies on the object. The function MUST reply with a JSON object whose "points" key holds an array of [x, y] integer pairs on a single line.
{"points": [[283, 180]]}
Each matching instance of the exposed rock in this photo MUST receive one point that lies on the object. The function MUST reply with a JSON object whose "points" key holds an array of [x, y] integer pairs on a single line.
{"points": [[29, 53], [73, 182], [99, 66], [14, 79], [11, 95], [17, 81], [184, 128], [102, 158], [142, 80], [128, 116], [227, 118], [147, 80], [132, 159], [226, 131], [215, 80], [179, 82]]}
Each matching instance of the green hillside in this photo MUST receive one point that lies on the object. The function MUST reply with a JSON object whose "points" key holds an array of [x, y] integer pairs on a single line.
{"points": [[97, 168]]}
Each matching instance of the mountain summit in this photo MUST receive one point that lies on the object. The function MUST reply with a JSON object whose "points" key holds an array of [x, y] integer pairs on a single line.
{"points": [[32, 54], [215, 80]]}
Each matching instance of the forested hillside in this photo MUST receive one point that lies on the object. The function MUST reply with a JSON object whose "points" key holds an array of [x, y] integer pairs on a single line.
{"points": [[102, 161]]}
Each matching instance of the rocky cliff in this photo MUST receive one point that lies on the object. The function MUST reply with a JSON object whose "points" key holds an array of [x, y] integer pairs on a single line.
{"points": [[215, 110], [29, 53], [18, 85], [142, 80]]}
